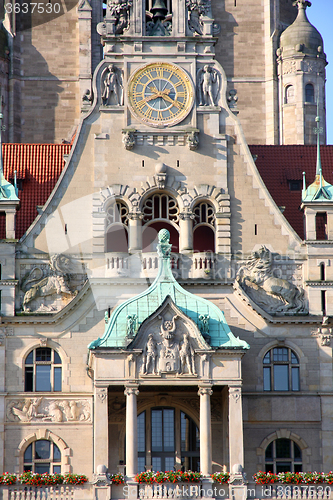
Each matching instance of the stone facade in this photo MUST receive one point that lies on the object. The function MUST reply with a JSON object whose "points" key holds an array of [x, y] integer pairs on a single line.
{"points": [[232, 341]]}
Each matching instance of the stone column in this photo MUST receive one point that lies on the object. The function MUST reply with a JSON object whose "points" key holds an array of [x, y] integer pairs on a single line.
{"points": [[236, 445], [205, 393], [134, 232], [101, 428], [131, 392], [186, 232]]}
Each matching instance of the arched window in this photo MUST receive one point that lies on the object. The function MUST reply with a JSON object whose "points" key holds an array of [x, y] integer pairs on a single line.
{"points": [[42, 370], [309, 93], [283, 455], [289, 94], [42, 456], [116, 227], [204, 222], [159, 210], [157, 439], [281, 370]]}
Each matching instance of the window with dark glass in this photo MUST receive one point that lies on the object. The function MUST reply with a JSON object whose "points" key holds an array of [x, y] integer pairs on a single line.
{"points": [[283, 455], [281, 370], [309, 93], [43, 370], [157, 440], [42, 456]]}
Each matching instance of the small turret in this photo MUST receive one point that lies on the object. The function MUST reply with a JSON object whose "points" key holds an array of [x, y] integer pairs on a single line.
{"points": [[301, 70]]}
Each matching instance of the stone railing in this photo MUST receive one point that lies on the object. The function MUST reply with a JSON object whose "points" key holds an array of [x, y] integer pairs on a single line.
{"points": [[201, 265], [54, 492], [282, 491]]}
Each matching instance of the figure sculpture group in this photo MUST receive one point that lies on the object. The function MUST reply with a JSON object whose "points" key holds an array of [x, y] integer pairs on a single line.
{"points": [[170, 354]]}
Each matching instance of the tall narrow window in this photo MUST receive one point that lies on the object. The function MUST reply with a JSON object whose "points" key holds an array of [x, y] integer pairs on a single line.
{"points": [[289, 94], [42, 456], [322, 271], [321, 226], [323, 302], [43, 370], [281, 370], [309, 93]]}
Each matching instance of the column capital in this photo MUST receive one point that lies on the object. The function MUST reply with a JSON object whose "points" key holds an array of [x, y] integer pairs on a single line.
{"points": [[132, 389], [102, 394], [235, 392], [134, 216], [205, 390], [186, 215]]}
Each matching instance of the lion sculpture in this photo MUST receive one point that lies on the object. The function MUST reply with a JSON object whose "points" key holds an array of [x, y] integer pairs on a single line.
{"points": [[275, 295], [53, 283]]}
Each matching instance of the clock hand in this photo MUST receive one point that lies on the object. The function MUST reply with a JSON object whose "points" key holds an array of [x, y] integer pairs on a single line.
{"points": [[178, 105]]}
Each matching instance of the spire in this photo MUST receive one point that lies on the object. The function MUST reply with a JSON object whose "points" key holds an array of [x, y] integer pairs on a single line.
{"points": [[318, 130]]}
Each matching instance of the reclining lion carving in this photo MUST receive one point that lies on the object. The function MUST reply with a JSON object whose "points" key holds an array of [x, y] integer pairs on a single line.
{"points": [[274, 295], [53, 283]]}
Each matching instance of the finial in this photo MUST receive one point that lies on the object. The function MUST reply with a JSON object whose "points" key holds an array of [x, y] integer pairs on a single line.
{"points": [[302, 4], [304, 182], [164, 247], [318, 130]]}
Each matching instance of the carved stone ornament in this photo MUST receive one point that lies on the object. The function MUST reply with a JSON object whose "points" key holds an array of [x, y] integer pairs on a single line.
{"points": [[197, 9], [235, 393], [193, 140], [205, 391], [313, 66], [102, 394], [289, 67], [87, 98], [324, 332], [237, 476], [48, 410], [208, 85], [276, 296], [129, 139], [43, 284], [131, 390], [119, 10], [233, 100], [112, 86]]}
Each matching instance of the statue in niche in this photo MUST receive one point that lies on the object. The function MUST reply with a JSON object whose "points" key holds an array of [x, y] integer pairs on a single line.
{"points": [[53, 284], [169, 356], [208, 85], [113, 85], [187, 356], [149, 360], [119, 9], [274, 295]]}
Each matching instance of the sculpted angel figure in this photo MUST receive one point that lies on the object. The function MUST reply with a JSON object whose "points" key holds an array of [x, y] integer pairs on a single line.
{"points": [[112, 85], [207, 79]]}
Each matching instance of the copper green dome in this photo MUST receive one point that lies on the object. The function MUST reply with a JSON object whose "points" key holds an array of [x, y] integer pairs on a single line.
{"points": [[302, 36]]}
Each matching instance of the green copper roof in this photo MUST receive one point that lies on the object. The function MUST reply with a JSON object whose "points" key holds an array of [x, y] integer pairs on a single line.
{"points": [[319, 190], [135, 310]]}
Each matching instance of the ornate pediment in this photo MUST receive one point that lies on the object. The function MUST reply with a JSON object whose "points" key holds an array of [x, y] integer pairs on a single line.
{"points": [[169, 341]]}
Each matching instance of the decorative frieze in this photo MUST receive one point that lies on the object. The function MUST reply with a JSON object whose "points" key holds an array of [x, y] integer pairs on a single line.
{"points": [[42, 409]]}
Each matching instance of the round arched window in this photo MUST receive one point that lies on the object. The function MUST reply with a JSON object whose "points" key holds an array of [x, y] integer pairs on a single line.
{"points": [[283, 455], [281, 370], [43, 370], [42, 456]]}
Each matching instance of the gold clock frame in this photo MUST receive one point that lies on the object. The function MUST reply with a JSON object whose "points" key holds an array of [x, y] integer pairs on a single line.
{"points": [[139, 104]]}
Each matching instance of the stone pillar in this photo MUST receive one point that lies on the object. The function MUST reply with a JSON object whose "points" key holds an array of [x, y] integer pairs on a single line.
{"points": [[205, 393], [101, 428], [185, 232], [134, 232], [236, 445], [84, 15], [131, 392], [10, 223]]}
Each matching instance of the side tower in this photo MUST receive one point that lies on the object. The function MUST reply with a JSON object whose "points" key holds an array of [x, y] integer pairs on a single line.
{"points": [[301, 73]]}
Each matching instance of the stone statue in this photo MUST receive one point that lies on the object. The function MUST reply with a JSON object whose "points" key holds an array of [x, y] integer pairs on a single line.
{"points": [[187, 356], [128, 139], [55, 283], [87, 97], [112, 85], [197, 9], [150, 355], [274, 295], [119, 9], [131, 325], [208, 85]]}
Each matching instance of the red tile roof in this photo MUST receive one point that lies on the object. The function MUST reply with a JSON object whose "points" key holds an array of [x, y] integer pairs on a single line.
{"points": [[38, 168], [278, 165]]}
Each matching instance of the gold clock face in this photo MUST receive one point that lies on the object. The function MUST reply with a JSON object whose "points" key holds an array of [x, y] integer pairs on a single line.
{"points": [[160, 94]]}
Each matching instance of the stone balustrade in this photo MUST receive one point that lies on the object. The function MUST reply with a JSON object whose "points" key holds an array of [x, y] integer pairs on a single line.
{"points": [[54, 492]]}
